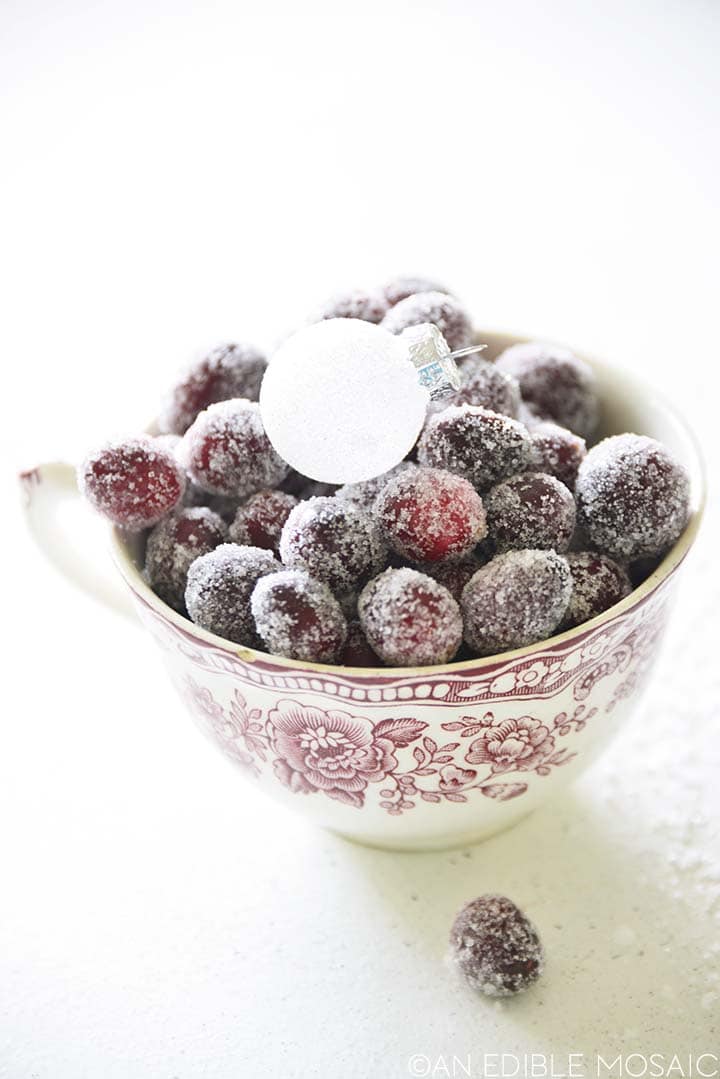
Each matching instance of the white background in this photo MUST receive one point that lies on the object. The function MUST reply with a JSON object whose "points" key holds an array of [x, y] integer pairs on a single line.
{"points": [[177, 174]]}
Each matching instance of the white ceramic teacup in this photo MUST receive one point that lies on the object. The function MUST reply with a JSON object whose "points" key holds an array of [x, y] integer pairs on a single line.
{"points": [[415, 758]]}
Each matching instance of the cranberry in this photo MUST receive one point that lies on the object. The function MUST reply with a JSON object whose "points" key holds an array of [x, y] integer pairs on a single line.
{"points": [[516, 599], [484, 385], [427, 515], [598, 583], [332, 540], [298, 617], [226, 372], [363, 493], [555, 384], [133, 483], [437, 308], [409, 619], [401, 287], [530, 510], [366, 305], [482, 446], [356, 652], [453, 575], [558, 451], [219, 587], [228, 453], [174, 544], [259, 521], [496, 946], [633, 497]]}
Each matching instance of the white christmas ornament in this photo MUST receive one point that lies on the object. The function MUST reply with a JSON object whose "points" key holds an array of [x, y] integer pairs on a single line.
{"points": [[342, 399]]}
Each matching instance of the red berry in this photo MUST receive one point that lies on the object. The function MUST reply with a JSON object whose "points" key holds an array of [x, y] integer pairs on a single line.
{"points": [[354, 303], [363, 493], [496, 946], [453, 575], [409, 619], [219, 587], [228, 453], [332, 540], [598, 583], [356, 652], [516, 599], [558, 451], [555, 384], [530, 510], [401, 287], [482, 446], [427, 515], [226, 372], [174, 544], [484, 385], [437, 308], [259, 521], [298, 617], [134, 483]]}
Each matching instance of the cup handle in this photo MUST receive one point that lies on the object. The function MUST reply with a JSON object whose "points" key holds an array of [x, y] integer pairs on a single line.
{"points": [[50, 493]]}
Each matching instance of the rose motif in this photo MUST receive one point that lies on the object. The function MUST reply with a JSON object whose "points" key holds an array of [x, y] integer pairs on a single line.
{"points": [[511, 745], [453, 778], [328, 751], [202, 701]]}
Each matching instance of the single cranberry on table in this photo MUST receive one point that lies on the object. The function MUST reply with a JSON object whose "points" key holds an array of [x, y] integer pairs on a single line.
{"points": [[298, 617], [530, 510], [227, 452], [517, 599], [558, 451], [234, 370], [409, 619], [428, 515], [134, 482], [368, 305], [332, 540], [438, 308], [219, 587], [174, 544], [496, 947], [482, 446], [598, 583], [259, 521], [554, 384], [633, 497]]}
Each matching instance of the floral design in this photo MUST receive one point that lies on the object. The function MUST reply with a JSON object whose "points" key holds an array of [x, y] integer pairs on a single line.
{"points": [[510, 744]]}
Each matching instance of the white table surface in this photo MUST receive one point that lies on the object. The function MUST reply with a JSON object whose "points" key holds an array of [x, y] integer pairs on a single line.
{"points": [[175, 174]]}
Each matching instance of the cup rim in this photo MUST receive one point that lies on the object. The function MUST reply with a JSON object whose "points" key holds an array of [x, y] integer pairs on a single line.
{"points": [[134, 578]]}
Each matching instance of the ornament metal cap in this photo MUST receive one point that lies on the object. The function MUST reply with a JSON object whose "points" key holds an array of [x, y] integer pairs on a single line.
{"points": [[435, 364]]}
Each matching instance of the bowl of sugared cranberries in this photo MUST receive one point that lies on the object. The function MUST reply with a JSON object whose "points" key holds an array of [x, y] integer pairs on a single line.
{"points": [[419, 659]]}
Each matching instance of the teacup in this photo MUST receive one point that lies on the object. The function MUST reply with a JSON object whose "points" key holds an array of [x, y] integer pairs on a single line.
{"points": [[414, 758]]}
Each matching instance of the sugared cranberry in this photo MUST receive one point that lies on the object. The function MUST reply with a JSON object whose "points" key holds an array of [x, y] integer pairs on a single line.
{"points": [[303, 487], [453, 575], [224, 505], [259, 521], [558, 451], [174, 544], [598, 583], [530, 510], [633, 497], [298, 617], [356, 652], [555, 384], [496, 946], [437, 308], [331, 540], [370, 306], [227, 452], [219, 587], [364, 493], [516, 599], [133, 483], [226, 372], [484, 385], [427, 515], [401, 287], [409, 619], [482, 446]]}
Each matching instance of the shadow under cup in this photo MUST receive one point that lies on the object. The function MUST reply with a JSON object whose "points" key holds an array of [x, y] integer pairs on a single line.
{"points": [[422, 758]]}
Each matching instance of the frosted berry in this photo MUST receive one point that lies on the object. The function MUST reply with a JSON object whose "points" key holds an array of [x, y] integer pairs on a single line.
{"points": [[517, 599], [437, 308], [558, 451], [219, 587], [427, 515], [453, 575], [370, 306], [555, 384], [364, 493], [530, 510], [227, 451], [633, 497], [226, 372], [484, 385], [356, 652], [225, 505], [331, 540], [174, 544], [298, 617], [496, 946], [133, 483], [303, 487], [401, 287], [598, 583], [409, 619], [259, 521], [482, 446]]}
